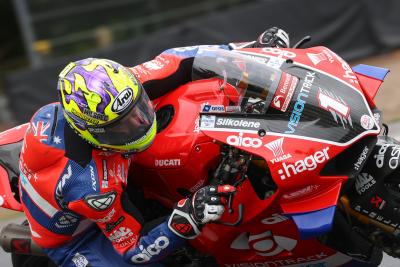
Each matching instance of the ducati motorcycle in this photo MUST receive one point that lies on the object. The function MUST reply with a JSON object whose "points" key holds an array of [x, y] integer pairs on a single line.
{"points": [[295, 130]]}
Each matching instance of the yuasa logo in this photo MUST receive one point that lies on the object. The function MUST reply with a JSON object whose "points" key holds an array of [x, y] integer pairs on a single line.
{"points": [[317, 58], [122, 100], [264, 244], [277, 149], [235, 140], [153, 249], [307, 164], [279, 52]]}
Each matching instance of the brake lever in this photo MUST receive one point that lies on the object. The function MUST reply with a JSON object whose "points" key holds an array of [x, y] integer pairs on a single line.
{"points": [[302, 41], [239, 219]]}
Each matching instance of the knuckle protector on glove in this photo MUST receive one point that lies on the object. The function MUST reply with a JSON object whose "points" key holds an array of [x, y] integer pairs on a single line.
{"points": [[181, 223]]}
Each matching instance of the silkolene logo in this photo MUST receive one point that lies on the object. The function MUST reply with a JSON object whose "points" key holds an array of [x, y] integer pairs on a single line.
{"points": [[307, 164], [237, 123]]}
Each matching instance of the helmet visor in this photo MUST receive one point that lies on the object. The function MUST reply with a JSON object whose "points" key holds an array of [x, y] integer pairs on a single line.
{"points": [[131, 128]]}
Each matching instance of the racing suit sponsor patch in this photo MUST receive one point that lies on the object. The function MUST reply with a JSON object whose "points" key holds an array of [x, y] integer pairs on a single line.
{"points": [[101, 202], [110, 226], [152, 250], [80, 261]]}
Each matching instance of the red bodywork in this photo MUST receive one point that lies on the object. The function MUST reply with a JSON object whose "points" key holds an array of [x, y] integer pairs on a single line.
{"points": [[10, 136], [183, 154]]}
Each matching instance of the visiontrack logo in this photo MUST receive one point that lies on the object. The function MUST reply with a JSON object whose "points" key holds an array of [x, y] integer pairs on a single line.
{"points": [[300, 103], [307, 164]]}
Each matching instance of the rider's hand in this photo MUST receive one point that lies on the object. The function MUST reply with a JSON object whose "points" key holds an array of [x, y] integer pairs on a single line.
{"points": [[273, 37], [206, 205]]}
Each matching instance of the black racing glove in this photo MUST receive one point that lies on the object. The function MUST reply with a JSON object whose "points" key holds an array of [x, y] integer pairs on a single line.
{"points": [[204, 206], [273, 37]]}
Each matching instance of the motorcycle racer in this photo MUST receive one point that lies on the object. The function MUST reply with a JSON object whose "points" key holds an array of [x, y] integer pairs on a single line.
{"points": [[75, 159]]}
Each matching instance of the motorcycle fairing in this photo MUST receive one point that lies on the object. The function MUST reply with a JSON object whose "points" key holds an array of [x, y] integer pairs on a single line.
{"points": [[312, 224], [370, 78], [10, 146]]}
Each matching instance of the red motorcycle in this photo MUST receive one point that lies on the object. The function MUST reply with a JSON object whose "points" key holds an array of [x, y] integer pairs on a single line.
{"points": [[296, 131]]}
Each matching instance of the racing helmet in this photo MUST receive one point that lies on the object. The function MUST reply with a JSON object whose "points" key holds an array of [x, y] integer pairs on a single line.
{"points": [[106, 105]]}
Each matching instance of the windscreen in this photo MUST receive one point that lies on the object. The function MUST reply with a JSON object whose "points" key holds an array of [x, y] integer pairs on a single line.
{"points": [[253, 82]]}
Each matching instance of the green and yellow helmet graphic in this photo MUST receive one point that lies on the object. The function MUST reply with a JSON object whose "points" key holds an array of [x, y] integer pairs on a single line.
{"points": [[97, 95]]}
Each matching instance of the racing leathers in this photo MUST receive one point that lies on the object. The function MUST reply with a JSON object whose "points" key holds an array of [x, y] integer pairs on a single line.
{"points": [[67, 186]]}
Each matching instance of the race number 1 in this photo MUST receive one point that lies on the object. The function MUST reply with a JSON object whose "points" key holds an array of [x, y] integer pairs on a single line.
{"points": [[331, 104]]}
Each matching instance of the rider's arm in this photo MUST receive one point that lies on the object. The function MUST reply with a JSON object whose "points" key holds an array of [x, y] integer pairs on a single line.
{"points": [[119, 224]]}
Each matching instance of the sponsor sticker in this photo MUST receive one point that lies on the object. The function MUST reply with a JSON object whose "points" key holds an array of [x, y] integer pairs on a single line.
{"points": [[213, 108], [120, 234], [207, 121], [79, 260], [364, 182], [145, 254], [320, 57], [300, 103], [276, 148], [304, 191], [95, 115], [307, 164], [233, 109], [106, 218], [237, 123], [264, 244], [110, 226], [394, 156], [361, 159], [240, 141], [284, 92], [367, 122]]}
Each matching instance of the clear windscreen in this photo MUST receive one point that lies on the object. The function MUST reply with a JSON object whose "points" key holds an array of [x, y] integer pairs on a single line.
{"points": [[248, 81]]}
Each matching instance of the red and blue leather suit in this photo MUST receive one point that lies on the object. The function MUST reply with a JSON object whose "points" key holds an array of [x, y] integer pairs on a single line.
{"points": [[68, 187]]}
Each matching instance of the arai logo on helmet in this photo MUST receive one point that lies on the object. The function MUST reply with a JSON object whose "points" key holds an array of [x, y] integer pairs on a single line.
{"points": [[122, 100]]}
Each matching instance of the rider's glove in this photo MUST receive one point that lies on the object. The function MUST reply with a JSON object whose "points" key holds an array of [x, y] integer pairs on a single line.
{"points": [[204, 206], [273, 37]]}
